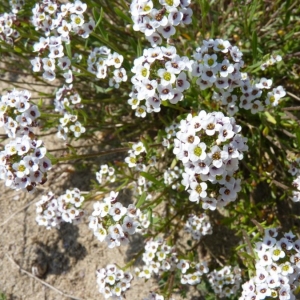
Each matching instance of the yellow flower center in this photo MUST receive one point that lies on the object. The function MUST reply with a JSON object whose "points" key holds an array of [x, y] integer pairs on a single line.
{"points": [[167, 76], [198, 151]]}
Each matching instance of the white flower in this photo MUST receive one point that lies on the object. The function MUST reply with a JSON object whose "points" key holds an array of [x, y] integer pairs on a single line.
{"points": [[131, 160], [36, 64], [117, 211], [217, 156], [130, 225], [21, 169], [181, 82], [77, 128], [48, 64], [220, 45], [138, 148], [198, 190], [183, 265], [197, 152], [167, 77], [167, 30], [116, 231], [77, 20], [264, 83], [141, 111], [210, 61]]}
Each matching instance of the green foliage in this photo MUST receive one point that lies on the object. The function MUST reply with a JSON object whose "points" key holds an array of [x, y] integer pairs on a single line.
{"points": [[2, 296]]}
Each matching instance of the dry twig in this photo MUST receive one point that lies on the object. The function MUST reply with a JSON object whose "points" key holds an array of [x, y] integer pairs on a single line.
{"points": [[41, 281]]}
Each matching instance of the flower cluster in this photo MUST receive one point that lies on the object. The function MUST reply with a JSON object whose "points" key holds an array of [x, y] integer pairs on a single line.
{"points": [[23, 162], [295, 171], [210, 148], [76, 127], [105, 174], [16, 5], [68, 100], [7, 33], [155, 23], [272, 60], [60, 20], [52, 210], [67, 96], [113, 282], [217, 64], [198, 226], [160, 257], [159, 76], [132, 159], [112, 222], [277, 268], [225, 282], [99, 62], [171, 177]]}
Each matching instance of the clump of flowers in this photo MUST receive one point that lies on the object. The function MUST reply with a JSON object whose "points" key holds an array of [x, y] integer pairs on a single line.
{"points": [[218, 64], [172, 176], [157, 22], [225, 282], [210, 147], [112, 222], [7, 31], [272, 60], [52, 211], [57, 21], [295, 171], [105, 174], [16, 5], [67, 98], [159, 258], [159, 76], [23, 162], [67, 101], [132, 160], [50, 16], [277, 267], [113, 282], [198, 226], [100, 62]]}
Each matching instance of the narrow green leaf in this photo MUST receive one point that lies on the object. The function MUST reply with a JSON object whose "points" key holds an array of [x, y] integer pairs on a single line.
{"points": [[173, 164], [246, 255], [270, 118], [139, 49], [150, 216], [95, 14], [151, 178], [121, 14], [99, 18], [68, 49], [287, 13], [204, 8], [265, 131], [53, 159], [254, 45], [298, 136], [141, 201], [17, 49], [253, 10]]}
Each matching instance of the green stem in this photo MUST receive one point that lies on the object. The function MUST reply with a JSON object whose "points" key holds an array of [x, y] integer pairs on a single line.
{"points": [[72, 157]]}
